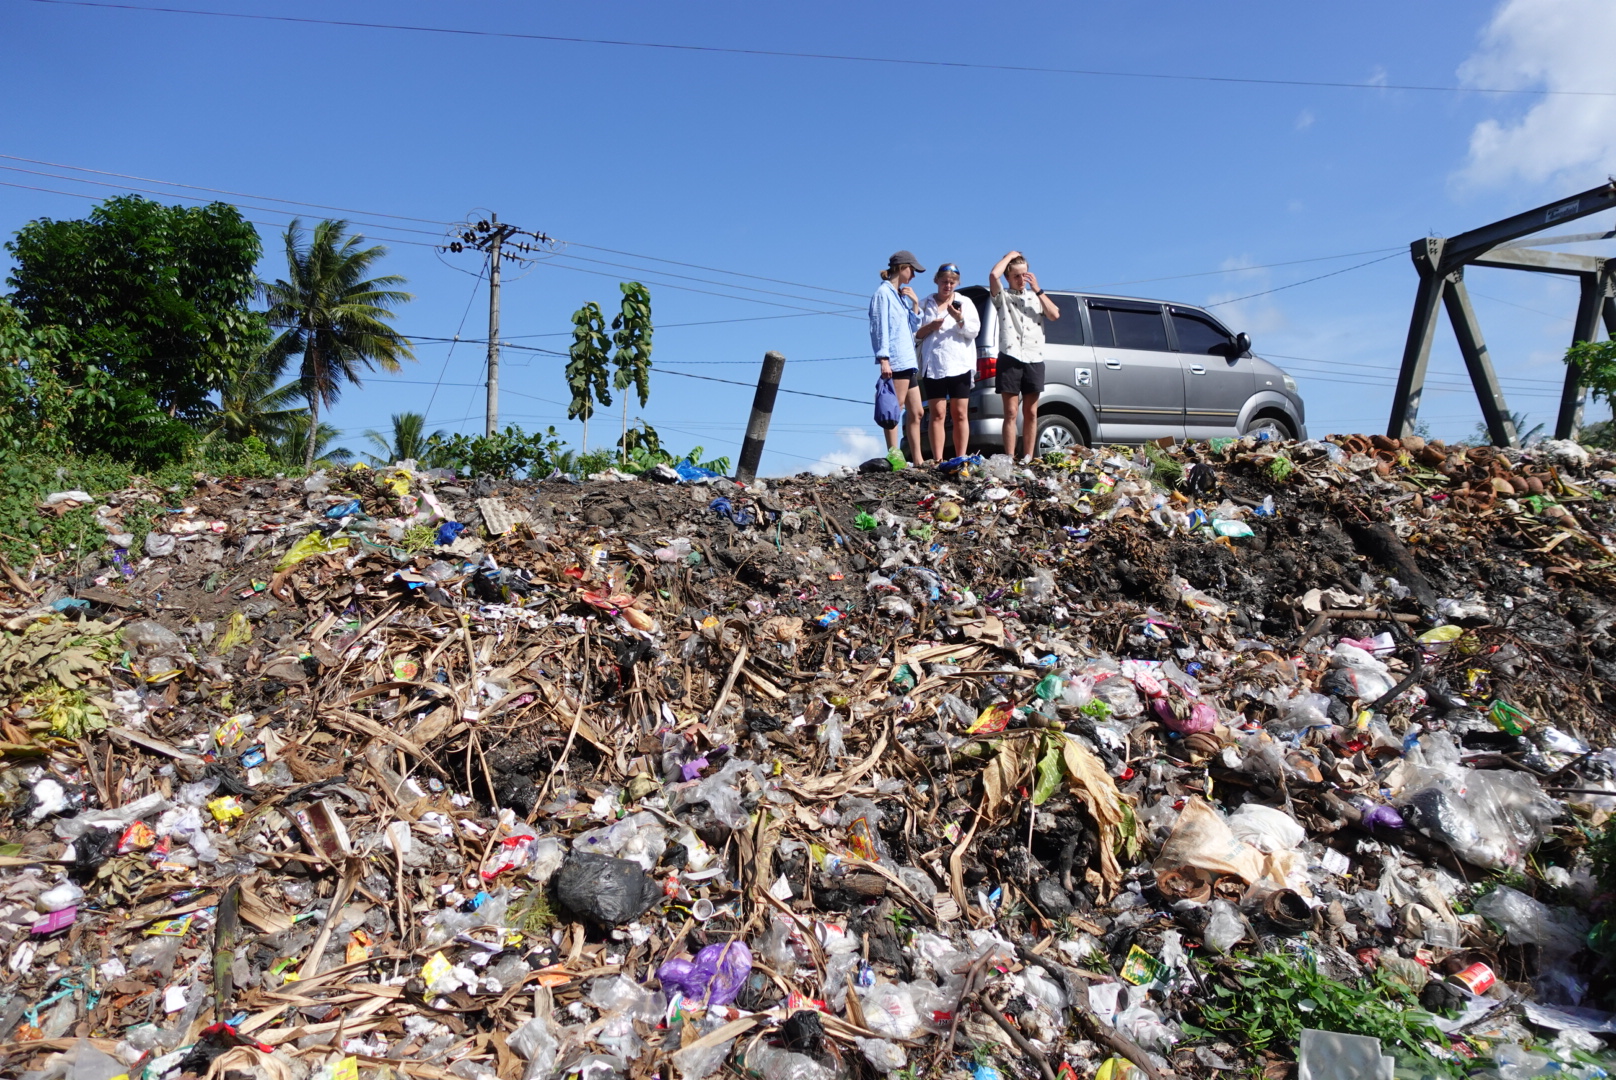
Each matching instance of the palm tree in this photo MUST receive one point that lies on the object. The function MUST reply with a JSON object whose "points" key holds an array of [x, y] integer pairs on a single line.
{"points": [[409, 441], [334, 315], [291, 448], [251, 404]]}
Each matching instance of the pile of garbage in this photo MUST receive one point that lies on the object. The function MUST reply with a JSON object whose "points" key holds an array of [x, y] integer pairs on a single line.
{"points": [[1180, 759]]}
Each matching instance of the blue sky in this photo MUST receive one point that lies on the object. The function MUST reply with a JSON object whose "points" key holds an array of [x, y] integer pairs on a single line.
{"points": [[813, 171]]}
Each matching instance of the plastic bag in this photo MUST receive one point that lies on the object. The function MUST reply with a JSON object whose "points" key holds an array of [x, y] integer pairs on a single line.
{"points": [[1266, 828], [890, 1010], [888, 413], [1489, 818], [312, 544], [639, 838], [1525, 921], [605, 890], [771, 1063], [715, 976], [147, 638], [884, 1055], [1224, 928]]}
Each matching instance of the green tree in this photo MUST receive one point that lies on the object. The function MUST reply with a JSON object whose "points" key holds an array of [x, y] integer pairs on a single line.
{"points": [[43, 412], [586, 366], [332, 314], [292, 448], [631, 333], [1596, 367], [409, 441], [35, 403], [251, 404], [155, 296]]}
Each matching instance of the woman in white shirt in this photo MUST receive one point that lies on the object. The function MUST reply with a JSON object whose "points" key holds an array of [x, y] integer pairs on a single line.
{"points": [[947, 337]]}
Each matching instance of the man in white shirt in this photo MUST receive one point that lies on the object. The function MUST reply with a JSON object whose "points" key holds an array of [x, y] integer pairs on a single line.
{"points": [[947, 336], [1022, 309]]}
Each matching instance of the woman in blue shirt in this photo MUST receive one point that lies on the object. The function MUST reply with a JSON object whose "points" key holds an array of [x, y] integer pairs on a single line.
{"points": [[894, 318]]}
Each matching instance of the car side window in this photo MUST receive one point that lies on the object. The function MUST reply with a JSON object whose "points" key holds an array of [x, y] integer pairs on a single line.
{"points": [[1138, 328], [1197, 335], [1100, 322], [1068, 329]]}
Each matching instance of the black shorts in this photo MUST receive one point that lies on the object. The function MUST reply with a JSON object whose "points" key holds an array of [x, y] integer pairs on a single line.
{"points": [[953, 387], [912, 375], [1015, 377]]}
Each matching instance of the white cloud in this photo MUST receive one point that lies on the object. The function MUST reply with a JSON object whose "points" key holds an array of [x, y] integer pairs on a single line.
{"points": [[1551, 45], [1305, 119], [858, 446]]}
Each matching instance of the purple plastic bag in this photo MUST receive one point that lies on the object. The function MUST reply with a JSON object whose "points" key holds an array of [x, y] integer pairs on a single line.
{"points": [[715, 976], [1382, 817]]}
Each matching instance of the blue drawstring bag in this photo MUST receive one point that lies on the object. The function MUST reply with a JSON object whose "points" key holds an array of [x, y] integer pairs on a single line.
{"points": [[887, 411]]}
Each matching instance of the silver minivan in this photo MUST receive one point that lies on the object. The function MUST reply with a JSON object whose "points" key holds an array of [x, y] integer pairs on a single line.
{"points": [[1120, 369]]}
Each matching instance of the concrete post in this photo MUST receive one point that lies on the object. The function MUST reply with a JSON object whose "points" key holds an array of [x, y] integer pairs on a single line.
{"points": [[757, 427]]}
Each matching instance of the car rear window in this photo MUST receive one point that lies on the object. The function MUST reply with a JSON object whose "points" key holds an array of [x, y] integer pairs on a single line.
{"points": [[1128, 326], [1068, 329]]}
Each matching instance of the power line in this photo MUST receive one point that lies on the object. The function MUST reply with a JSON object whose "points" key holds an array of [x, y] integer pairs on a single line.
{"points": [[198, 198], [255, 221], [704, 292], [221, 191], [1304, 281], [846, 58], [751, 386], [450, 354], [1240, 269], [717, 270], [373, 225], [687, 277]]}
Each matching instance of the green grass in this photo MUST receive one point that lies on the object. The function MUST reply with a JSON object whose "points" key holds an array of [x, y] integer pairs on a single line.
{"points": [[1265, 1003]]}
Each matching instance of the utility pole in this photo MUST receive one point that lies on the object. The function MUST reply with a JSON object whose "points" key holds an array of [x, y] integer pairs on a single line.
{"points": [[497, 241], [491, 413]]}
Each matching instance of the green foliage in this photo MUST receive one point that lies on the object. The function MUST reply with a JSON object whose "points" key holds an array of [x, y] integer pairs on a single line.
{"points": [[1596, 366], [576, 463], [504, 454], [586, 366], [334, 316], [43, 412], [1281, 468], [1163, 469], [291, 449], [631, 333], [25, 480], [640, 449], [154, 296], [250, 457], [251, 404], [1274, 997], [409, 441], [38, 404], [1602, 850]]}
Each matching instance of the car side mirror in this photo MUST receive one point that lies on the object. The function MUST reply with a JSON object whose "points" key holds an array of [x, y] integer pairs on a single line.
{"points": [[1242, 343]]}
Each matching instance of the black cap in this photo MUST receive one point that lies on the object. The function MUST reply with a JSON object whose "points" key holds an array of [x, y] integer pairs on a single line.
{"points": [[899, 258]]}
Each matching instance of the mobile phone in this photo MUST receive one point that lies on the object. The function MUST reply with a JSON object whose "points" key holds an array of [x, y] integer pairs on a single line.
{"points": [[955, 305]]}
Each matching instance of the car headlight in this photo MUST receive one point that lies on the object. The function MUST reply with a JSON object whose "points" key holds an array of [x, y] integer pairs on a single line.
{"points": [[1290, 384]]}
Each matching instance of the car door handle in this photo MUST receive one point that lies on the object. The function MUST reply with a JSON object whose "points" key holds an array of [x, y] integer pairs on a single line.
{"points": [[1199, 369], [1112, 364]]}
